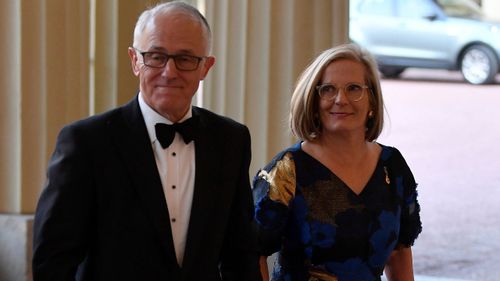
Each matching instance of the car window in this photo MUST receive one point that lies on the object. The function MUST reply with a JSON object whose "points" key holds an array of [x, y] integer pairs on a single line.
{"points": [[416, 9], [460, 8], [375, 7]]}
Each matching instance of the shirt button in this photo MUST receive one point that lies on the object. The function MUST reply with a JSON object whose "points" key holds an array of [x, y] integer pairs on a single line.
{"points": [[173, 220], [173, 154], [173, 186]]}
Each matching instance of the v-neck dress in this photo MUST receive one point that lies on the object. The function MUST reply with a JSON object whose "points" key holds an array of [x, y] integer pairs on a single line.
{"points": [[322, 229]]}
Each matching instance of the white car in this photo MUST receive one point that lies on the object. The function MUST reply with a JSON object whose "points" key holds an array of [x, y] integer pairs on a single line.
{"points": [[440, 34]]}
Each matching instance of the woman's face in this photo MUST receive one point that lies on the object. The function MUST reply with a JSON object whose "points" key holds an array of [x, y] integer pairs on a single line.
{"points": [[341, 114]]}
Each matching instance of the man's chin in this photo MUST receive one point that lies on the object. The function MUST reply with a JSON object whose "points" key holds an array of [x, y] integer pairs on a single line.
{"points": [[165, 91]]}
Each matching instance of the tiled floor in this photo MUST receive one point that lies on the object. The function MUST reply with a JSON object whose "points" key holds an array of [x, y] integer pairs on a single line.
{"points": [[447, 131]]}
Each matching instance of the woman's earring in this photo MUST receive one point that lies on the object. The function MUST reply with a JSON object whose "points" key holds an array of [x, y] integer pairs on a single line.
{"points": [[370, 122]]}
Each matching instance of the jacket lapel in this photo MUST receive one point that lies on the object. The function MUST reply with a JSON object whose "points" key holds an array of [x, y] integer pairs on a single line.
{"points": [[206, 169], [131, 137]]}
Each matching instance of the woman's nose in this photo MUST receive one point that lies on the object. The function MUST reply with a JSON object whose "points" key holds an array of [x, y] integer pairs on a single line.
{"points": [[341, 97]]}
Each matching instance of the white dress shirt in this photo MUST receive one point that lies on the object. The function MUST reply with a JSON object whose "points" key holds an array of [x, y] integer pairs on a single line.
{"points": [[176, 166]]}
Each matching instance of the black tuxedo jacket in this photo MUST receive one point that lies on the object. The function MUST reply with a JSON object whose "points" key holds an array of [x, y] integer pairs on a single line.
{"points": [[103, 213]]}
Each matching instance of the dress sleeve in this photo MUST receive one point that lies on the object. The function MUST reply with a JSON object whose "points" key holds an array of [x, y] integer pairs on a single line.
{"points": [[411, 225], [273, 189]]}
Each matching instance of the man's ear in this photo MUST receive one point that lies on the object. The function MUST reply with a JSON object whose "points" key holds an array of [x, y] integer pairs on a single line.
{"points": [[134, 61], [209, 62]]}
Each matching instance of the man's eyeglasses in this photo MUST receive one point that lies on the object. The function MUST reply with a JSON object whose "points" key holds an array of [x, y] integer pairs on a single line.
{"points": [[159, 60], [353, 91]]}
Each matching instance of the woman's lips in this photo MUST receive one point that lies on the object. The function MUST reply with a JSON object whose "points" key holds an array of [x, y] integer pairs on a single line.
{"points": [[340, 114]]}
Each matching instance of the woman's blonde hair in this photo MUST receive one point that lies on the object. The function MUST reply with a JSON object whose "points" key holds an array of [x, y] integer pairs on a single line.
{"points": [[304, 118]]}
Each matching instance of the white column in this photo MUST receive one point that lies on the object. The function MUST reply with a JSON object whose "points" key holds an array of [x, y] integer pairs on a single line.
{"points": [[105, 55], [114, 82], [45, 85], [10, 109], [67, 64]]}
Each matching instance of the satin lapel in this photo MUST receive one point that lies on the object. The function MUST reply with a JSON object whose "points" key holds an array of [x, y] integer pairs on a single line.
{"points": [[132, 140], [206, 169]]}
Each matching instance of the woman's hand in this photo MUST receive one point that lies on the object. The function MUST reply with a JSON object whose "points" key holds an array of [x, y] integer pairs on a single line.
{"points": [[399, 267], [263, 268]]}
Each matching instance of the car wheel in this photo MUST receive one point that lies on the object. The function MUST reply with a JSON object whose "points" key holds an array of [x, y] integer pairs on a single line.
{"points": [[391, 71], [479, 65]]}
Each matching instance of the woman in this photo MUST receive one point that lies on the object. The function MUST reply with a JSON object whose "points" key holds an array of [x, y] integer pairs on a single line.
{"points": [[338, 205]]}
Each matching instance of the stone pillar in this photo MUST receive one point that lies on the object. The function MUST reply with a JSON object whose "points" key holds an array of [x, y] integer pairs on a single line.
{"points": [[45, 85], [10, 110], [20, 112], [114, 82], [15, 247]]}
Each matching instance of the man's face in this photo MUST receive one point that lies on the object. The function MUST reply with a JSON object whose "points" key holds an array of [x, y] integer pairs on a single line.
{"points": [[169, 90]]}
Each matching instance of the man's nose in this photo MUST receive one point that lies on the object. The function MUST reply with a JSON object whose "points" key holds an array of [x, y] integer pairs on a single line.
{"points": [[170, 67]]}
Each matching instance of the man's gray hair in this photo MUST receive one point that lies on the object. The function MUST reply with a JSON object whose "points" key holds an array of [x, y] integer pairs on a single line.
{"points": [[162, 8]]}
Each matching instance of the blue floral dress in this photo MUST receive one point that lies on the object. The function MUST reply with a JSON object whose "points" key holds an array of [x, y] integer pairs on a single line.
{"points": [[325, 231]]}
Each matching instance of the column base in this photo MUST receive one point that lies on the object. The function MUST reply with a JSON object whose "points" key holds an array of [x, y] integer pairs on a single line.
{"points": [[16, 232]]}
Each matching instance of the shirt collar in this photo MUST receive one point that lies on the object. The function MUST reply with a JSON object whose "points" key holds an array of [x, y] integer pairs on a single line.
{"points": [[151, 117]]}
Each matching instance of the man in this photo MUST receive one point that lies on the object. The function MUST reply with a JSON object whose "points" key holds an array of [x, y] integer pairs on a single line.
{"points": [[124, 200]]}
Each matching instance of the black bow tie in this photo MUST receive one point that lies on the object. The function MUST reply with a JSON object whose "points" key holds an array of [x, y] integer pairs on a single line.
{"points": [[165, 133]]}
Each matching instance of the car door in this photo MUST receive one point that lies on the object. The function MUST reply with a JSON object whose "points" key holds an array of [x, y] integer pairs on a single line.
{"points": [[422, 34], [404, 32], [371, 24]]}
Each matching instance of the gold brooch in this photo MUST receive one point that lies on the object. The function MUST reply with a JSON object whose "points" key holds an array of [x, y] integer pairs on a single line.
{"points": [[387, 179]]}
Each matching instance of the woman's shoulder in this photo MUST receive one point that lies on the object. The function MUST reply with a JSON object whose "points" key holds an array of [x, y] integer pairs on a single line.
{"points": [[391, 154], [397, 166], [277, 178]]}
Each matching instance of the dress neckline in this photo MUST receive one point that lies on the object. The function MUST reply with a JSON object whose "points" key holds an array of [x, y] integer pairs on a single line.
{"points": [[298, 147]]}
